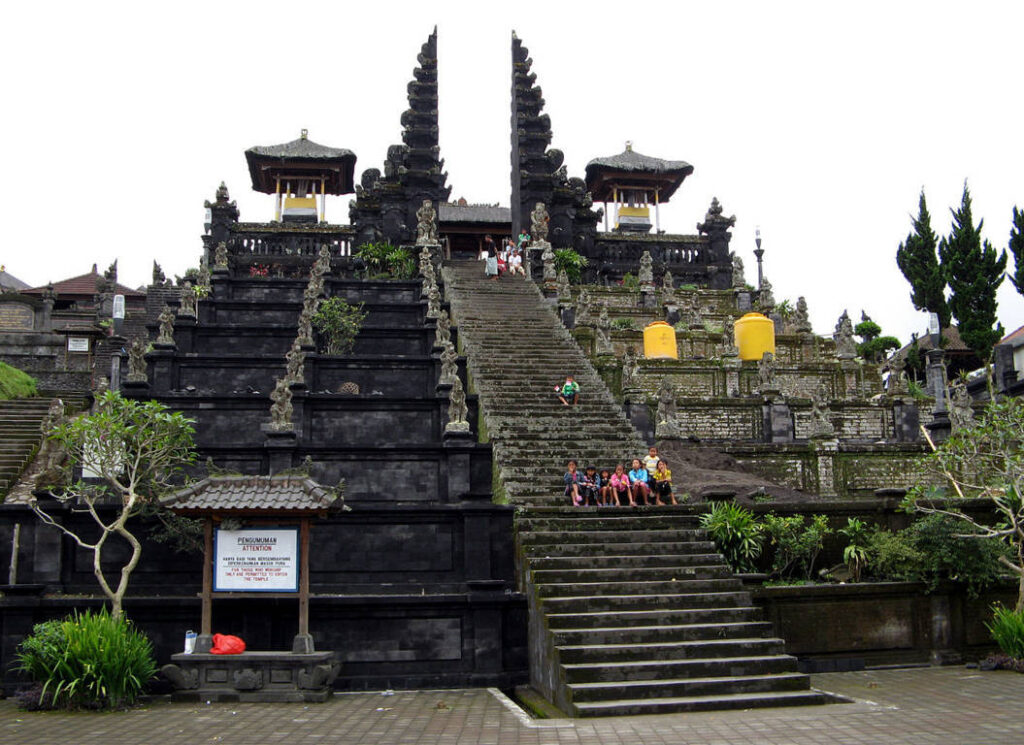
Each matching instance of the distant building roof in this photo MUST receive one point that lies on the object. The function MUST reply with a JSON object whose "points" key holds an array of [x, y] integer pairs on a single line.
{"points": [[1015, 338], [633, 167], [10, 282], [289, 494], [474, 213], [83, 285], [301, 158]]}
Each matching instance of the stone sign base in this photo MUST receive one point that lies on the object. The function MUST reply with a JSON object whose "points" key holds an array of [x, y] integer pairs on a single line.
{"points": [[253, 677]]}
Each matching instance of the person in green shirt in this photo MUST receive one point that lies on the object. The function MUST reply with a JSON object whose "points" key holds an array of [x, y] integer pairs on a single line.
{"points": [[569, 390]]}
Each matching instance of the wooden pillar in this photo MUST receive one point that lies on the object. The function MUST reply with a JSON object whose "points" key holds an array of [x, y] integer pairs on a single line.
{"points": [[205, 640], [303, 642]]}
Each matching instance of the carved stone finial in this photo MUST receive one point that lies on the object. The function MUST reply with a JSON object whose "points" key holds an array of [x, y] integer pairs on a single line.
{"points": [[166, 333], [281, 409], [137, 362], [715, 221], [564, 290], [765, 297], [111, 273], [222, 194], [426, 224], [458, 412], [843, 337], [159, 277], [766, 373], [738, 280], [801, 320]]}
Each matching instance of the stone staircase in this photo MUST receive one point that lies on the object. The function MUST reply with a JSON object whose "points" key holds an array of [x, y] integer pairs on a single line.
{"points": [[631, 610], [20, 435]]}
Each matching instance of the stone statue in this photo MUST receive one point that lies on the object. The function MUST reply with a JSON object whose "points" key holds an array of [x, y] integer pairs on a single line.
{"points": [[449, 364], [667, 424], [583, 308], [801, 320], [281, 409], [604, 332], [433, 301], [564, 290], [457, 409], [739, 282], [897, 384], [961, 413], [305, 335], [56, 470], [203, 279], [137, 362], [668, 288], [539, 225], [159, 278], [296, 369], [821, 426], [548, 257], [189, 301], [426, 263], [729, 348], [426, 224], [765, 298], [220, 256], [690, 311], [843, 337], [646, 273], [443, 329], [166, 333], [322, 265], [766, 373], [111, 275], [630, 369]]}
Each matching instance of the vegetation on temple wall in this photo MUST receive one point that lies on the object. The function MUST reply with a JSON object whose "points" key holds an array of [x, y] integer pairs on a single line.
{"points": [[137, 449], [796, 543], [855, 554], [630, 282], [14, 383], [1017, 249], [87, 660], [385, 261], [624, 324], [984, 461], [974, 271], [572, 263], [918, 260], [873, 346], [338, 324]]}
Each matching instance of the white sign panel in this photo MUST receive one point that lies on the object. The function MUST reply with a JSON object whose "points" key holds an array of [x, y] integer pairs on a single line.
{"points": [[78, 344], [256, 560], [933, 323], [118, 306]]}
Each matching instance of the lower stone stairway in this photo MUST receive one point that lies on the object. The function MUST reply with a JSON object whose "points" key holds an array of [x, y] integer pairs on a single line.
{"points": [[20, 435], [632, 610]]}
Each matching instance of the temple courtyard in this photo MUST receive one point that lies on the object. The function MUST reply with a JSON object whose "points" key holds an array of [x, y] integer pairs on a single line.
{"points": [[910, 705]]}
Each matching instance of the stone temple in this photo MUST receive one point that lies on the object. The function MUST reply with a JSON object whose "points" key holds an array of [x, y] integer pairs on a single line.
{"points": [[457, 560]]}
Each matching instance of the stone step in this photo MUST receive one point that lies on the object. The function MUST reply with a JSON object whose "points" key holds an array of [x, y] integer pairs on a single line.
{"points": [[607, 672], [634, 602], [605, 563], [717, 702], [638, 587], [594, 519], [636, 550], [613, 576], [660, 617], [685, 687], [702, 649], [600, 537], [656, 634]]}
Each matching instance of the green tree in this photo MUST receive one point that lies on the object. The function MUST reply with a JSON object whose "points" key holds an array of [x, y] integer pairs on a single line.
{"points": [[873, 346], [919, 263], [339, 323], [136, 449], [974, 272], [1017, 249]]}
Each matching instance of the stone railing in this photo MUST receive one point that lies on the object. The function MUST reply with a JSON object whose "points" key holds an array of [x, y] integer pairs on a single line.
{"points": [[274, 241], [688, 257]]}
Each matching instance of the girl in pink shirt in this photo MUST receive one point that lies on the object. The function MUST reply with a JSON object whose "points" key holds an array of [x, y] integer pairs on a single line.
{"points": [[619, 483]]}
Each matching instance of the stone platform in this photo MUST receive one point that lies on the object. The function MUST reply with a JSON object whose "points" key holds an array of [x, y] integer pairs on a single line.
{"points": [[253, 677]]}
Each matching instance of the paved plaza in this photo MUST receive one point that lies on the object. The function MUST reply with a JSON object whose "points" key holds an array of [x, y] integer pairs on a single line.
{"points": [[952, 705]]}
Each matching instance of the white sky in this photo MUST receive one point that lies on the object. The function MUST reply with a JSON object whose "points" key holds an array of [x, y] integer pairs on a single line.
{"points": [[820, 124]]}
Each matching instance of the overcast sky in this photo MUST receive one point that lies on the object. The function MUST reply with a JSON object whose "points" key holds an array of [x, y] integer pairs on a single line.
{"points": [[817, 123]]}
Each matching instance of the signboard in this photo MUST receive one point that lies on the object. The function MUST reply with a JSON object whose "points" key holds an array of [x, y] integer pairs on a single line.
{"points": [[78, 343], [256, 560], [17, 317]]}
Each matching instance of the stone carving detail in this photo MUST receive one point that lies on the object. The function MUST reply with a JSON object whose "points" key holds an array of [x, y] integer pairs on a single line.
{"points": [[426, 224], [449, 364], [137, 362], [765, 297], [203, 278], [739, 282], [220, 256], [715, 221], [801, 320], [426, 263], [457, 409], [159, 278], [349, 388], [281, 409], [668, 288], [843, 337], [182, 680], [961, 414], [296, 370], [433, 301], [667, 424], [689, 311], [898, 376], [604, 332], [729, 348], [564, 290], [766, 378], [548, 258], [630, 369], [166, 333], [583, 308], [321, 676], [443, 330], [821, 426], [56, 469], [646, 273], [247, 679], [305, 335], [539, 225], [189, 305]]}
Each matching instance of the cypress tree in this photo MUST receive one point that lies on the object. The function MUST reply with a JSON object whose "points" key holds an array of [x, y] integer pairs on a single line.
{"points": [[1017, 249], [974, 272], [917, 260]]}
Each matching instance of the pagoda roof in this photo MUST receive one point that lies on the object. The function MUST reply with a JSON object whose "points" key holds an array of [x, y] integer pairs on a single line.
{"points": [[490, 214], [301, 158], [82, 285], [10, 282], [290, 495], [633, 168]]}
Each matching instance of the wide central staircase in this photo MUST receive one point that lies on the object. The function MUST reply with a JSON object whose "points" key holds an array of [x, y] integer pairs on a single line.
{"points": [[631, 610]]}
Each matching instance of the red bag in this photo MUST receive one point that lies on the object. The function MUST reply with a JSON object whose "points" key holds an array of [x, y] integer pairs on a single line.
{"points": [[227, 644]]}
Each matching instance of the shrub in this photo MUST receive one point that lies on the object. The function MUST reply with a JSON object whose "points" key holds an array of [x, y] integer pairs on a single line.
{"points": [[572, 263], [630, 281], [14, 383], [892, 556], [797, 544], [1007, 629], [947, 554], [856, 552], [385, 260], [88, 660], [624, 324], [339, 324], [736, 533]]}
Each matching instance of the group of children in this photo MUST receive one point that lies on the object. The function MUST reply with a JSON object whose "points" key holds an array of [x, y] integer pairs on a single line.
{"points": [[649, 482], [509, 258]]}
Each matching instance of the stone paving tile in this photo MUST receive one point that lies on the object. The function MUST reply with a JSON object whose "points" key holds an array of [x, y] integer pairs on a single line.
{"points": [[919, 706]]}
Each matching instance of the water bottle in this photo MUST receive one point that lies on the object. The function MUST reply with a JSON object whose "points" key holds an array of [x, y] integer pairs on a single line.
{"points": [[190, 642]]}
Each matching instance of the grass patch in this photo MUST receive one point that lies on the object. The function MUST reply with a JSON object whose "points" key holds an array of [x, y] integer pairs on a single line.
{"points": [[14, 383]]}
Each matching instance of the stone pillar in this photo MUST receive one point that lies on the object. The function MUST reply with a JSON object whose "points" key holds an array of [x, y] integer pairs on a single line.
{"points": [[825, 449], [568, 315], [458, 446], [906, 420], [280, 447], [1005, 373], [732, 367], [743, 303], [778, 419], [935, 377], [162, 357]]}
